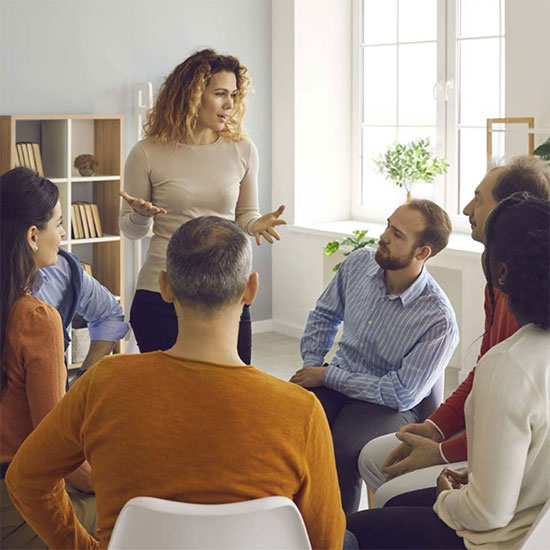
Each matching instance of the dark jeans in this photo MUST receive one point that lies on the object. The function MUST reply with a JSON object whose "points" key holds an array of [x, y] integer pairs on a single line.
{"points": [[353, 424], [155, 325], [407, 521]]}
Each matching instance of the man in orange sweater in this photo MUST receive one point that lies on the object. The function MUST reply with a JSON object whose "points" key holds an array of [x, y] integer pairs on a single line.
{"points": [[191, 424]]}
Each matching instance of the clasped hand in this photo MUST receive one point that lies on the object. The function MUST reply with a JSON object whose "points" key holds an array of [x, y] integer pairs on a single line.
{"points": [[451, 479], [419, 449]]}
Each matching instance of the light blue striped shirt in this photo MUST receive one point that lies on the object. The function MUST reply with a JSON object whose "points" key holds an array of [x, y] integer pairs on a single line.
{"points": [[97, 305], [393, 347]]}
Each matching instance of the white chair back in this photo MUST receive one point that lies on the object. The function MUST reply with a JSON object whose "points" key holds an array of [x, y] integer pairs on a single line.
{"points": [[271, 522], [538, 537]]}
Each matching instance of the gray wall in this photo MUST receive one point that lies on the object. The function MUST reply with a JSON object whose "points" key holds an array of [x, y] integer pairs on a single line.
{"points": [[83, 56]]}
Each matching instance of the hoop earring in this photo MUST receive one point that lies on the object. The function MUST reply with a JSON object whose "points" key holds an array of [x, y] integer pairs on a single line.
{"points": [[501, 280]]}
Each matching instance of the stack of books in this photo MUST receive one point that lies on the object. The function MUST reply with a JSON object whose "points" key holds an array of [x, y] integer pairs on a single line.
{"points": [[85, 221], [28, 155]]}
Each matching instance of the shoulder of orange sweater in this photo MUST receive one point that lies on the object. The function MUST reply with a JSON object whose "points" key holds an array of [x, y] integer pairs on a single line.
{"points": [[30, 306], [295, 397], [125, 360]]}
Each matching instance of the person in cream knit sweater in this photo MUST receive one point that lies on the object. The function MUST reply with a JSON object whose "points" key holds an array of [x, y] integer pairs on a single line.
{"points": [[494, 502], [196, 160]]}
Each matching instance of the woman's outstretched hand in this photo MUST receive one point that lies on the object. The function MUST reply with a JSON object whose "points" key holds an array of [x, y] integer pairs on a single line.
{"points": [[265, 226], [142, 207]]}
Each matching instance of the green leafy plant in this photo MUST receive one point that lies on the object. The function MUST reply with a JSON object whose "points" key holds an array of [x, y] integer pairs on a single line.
{"points": [[407, 164], [543, 150], [352, 243]]}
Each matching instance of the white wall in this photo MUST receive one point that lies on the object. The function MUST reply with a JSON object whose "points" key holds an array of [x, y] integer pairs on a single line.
{"points": [[83, 56], [526, 60]]}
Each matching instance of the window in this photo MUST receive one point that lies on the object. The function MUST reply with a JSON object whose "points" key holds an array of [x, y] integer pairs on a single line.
{"points": [[426, 68]]}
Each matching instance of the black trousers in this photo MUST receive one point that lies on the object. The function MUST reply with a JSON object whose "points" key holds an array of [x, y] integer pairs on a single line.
{"points": [[407, 521], [353, 424], [155, 325]]}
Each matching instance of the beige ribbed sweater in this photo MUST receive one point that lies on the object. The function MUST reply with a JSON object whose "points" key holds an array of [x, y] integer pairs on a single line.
{"points": [[220, 179], [508, 426]]}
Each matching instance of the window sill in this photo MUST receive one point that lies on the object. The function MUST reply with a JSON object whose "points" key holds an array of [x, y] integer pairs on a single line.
{"points": [[460, 244]]}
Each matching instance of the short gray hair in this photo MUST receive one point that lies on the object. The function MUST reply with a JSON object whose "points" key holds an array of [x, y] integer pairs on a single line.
{"points": [[208, 262]]}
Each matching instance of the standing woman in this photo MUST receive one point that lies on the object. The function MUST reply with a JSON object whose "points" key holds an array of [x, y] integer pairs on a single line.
{"points": [[196, 160], [32, 368]]}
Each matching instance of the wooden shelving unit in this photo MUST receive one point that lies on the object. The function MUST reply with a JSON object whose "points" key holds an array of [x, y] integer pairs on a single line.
{"points": [[61, 139]]}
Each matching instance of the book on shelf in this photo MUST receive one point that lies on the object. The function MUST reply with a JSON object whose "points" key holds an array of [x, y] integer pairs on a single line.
{"points": [[90, 218], [28, 155], [38, 159], [84, 218], [97, 220], [87, 268], [76, 222], [86, 222]]}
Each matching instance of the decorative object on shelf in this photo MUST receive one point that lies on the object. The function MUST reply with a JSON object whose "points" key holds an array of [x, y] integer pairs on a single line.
{"points": [[543, 150], [28, 155], [353, 243], [411, 163], [86, 165]]}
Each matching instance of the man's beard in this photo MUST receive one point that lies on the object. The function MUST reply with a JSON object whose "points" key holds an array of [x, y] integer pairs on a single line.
{"points": [[391, 263]]}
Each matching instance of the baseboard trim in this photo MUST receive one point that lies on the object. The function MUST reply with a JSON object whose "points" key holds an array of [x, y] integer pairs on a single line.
{"points": [[261, 326], [287, 329]]}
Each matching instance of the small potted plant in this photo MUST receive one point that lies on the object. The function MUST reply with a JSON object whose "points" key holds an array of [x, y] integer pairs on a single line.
{"points": [[408, 164], [351, 243], [543, 150], [86, 164]]}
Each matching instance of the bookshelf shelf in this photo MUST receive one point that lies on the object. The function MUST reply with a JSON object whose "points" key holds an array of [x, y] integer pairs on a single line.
{"points": [[94, 179], [105, 239], [60, 139]]}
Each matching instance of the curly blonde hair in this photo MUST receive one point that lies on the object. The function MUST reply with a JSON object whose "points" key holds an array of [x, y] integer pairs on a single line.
{"points": [[176, 110]]}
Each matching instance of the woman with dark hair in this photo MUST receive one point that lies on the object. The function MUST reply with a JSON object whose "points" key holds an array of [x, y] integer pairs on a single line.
{"points": [[495, 501], [32, 369], [196, 160]]}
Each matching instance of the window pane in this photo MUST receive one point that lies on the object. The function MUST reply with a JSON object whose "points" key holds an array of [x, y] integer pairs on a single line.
{"points": [[380, 85], [479, 18], [379, 21], [472, 162], [417, 20], [417, 76], [479, 81], [378, 192]]}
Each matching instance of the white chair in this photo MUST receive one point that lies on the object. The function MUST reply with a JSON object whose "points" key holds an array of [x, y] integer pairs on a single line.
{"points": [[538, 537], [271, 522]]}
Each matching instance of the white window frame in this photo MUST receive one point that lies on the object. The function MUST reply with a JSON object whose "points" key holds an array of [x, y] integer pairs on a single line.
{"points": [[446, 192]]}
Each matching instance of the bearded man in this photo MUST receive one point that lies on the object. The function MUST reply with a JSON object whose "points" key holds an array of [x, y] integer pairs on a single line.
{"points": [[399, 333]]}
